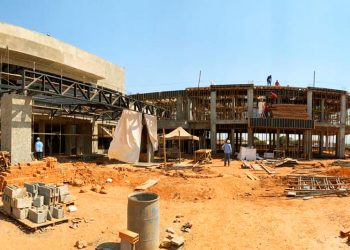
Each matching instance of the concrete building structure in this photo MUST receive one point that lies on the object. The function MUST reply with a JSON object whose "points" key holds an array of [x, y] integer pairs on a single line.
{"points": [[68, 97], [302, 122]]}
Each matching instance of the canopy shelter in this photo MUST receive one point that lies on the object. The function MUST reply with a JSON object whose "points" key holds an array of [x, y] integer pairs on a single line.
{"points": [[179, 134]]}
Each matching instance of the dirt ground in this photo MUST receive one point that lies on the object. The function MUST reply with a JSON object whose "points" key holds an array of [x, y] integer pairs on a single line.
{"points": [[227, 210]]}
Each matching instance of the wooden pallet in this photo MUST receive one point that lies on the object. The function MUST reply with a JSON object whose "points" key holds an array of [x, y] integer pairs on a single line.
{"points": [[31, 226]]}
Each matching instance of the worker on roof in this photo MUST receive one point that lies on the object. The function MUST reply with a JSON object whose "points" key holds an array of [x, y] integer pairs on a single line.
{"points": [[39, 149], [273, 97], [227, 151], [269, 80], [277, 83]]}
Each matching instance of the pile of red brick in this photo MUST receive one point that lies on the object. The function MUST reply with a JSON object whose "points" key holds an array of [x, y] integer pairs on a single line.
{"points": [[46, 171]]}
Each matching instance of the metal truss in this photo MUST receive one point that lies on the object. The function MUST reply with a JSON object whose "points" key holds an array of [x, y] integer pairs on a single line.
{"points": [[88, 98]]}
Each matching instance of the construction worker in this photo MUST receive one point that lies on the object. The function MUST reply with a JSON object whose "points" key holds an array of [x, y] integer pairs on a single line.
{"points": [[269, 80], [39, 149], [227, 151], [277, 83]]}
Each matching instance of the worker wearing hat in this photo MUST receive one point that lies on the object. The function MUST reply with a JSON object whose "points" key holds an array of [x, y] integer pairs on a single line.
{"points": [[227, 151], [39, 148]]}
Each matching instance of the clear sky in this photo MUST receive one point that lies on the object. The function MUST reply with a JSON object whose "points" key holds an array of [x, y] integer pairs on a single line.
{"points": [[164, 44]]}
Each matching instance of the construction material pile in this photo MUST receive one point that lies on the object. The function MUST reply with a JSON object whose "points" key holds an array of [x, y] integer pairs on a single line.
{"points": [[309, 186], [291, 111], [36, 201]]}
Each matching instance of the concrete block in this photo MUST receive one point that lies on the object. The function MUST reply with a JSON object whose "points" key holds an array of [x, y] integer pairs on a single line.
{"points": [[66, 199], [48, 191], [6, 199], [63, 190], [51, 200], [37, 215], [24, 202], [58, 212], [20, 213], [14, 191], [32, 188], [7, 208], [49, 215], [38, 201]]}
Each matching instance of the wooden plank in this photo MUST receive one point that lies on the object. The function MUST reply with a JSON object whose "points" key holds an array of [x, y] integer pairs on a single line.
{"points": [[252, 177], [256, 167], [149, 183], [267, 169]]}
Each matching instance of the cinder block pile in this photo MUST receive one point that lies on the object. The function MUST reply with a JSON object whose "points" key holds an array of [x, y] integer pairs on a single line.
{"points": [[36, 201]]}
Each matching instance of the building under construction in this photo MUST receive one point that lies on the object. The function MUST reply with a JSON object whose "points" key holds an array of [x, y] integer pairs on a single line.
{"points": [[300, 122], [68, 97]]}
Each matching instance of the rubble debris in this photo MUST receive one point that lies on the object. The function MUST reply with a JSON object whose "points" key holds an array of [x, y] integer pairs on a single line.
{"points": [[178, 241], [77, 183], [186, 227], [96, 188], [109, 180], [80, 244], [344, 232], [170, 230], [72, 208], [103, 190], [166, 243], [306, 186]]}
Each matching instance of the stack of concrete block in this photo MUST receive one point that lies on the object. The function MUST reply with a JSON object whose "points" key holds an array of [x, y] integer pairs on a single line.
{"points": [[16, 201], [37, 201]]}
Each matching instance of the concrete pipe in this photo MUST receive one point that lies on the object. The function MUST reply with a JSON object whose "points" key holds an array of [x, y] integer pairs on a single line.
{"points": [[143, 218]]}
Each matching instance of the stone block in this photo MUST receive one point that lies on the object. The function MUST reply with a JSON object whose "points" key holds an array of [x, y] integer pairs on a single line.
{"points": [[58, 212], [38, 201], [37, 215], [23, 202], [14, 191], [20, 213]]}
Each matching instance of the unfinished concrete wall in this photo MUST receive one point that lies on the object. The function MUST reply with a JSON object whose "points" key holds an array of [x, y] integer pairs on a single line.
{"points": [[16, 127], [34, 50]]}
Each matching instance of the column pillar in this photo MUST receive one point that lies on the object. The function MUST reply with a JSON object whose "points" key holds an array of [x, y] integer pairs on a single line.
{"points": [[277, 139], [69, 140], [179, 108], [322, 110], [233, 140], [309, 104], [321, 144], [250, 137], [94, 137], [213, 121], [16, 127], [341, 131], [250, 99], [307, 144]]}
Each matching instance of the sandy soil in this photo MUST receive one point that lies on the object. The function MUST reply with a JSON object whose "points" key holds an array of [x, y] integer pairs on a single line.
{"points": [[227, 212]]}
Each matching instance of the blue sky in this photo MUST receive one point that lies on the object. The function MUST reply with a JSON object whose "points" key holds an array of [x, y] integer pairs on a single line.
{"points": [[164, 44]]}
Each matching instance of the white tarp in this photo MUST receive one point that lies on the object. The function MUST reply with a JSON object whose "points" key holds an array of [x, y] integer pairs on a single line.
{"points": [[151, 123], [126, 142], [248, 154]]}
